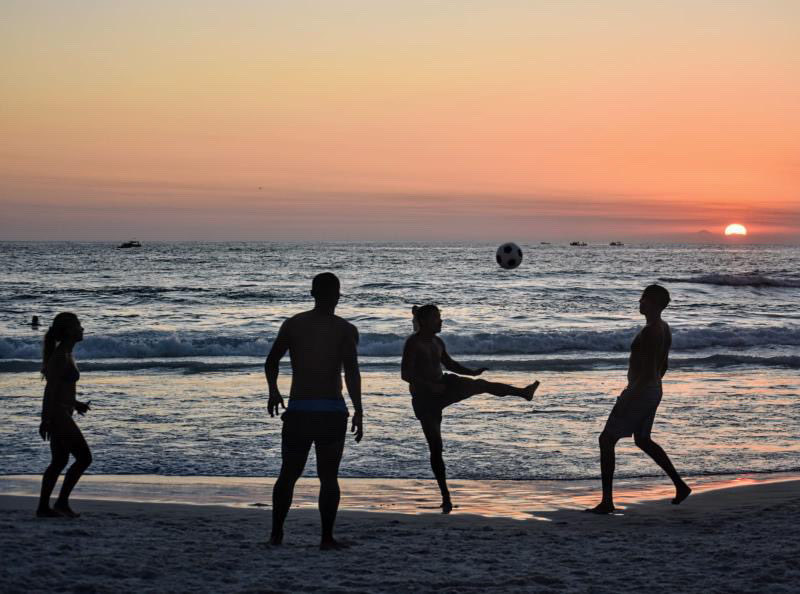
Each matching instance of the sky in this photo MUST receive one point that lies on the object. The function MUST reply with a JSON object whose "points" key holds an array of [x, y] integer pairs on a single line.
{"points": [[399, 120]]}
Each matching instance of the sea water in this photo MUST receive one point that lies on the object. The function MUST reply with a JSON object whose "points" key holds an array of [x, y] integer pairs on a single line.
{"points": [[176, 335]]}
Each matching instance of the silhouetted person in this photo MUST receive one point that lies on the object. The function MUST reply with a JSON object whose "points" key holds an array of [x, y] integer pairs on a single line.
{"points": [[320, 344], [635, 409], [432, 390], [58, 406], [35, 322]]}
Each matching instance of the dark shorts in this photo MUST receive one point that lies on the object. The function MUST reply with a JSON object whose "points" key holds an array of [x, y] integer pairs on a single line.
{"points": [[302, 429], [634, 415], [457, 388]]}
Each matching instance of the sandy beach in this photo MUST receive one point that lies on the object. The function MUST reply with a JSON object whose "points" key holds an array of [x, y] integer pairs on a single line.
{"points": [[740, 539]]}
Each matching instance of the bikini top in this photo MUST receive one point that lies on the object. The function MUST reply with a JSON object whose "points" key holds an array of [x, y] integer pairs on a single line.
{"points": [[72, 375]]}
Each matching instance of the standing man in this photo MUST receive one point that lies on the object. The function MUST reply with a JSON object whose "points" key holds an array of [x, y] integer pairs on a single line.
{"points": [[635, 409], [320, 344]]}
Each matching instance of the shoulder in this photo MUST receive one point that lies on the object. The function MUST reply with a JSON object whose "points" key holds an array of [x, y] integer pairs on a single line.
{"points": [[655, 332], [56, 366], [348, 328], [440, 342]]}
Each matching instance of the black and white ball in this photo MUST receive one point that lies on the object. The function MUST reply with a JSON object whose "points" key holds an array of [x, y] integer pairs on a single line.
{"points": [[509, 256]]}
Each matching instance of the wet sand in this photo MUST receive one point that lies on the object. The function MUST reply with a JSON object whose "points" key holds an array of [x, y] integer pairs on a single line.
{"points": [[741, 539]]}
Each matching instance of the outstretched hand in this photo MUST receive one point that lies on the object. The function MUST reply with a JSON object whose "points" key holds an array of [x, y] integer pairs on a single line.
{"points": [[480, 371], [82, 407], [44, 430], [275, 401], [358, 425]]}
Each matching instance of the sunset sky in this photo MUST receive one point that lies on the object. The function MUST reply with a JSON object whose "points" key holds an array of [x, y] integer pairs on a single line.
{"points": [[376, 119]]}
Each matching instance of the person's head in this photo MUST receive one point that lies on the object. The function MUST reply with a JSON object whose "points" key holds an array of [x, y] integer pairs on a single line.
{"points": [[325, 289], [66, 328], [653, 300], [428, 318]]}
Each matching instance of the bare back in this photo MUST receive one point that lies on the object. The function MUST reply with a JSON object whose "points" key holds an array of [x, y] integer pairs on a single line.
{"points": [[318, 343], [422, 361]]}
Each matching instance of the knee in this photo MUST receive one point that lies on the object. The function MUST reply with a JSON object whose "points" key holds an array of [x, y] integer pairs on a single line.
{"points": [[606, 441], [328, 480], [57, 464], [85, 459], [289, 475]]}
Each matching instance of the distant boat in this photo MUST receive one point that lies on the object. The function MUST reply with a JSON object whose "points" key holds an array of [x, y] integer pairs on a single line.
{"points": [[616, 243], [578, 243], [129, 244], [544, 243]]}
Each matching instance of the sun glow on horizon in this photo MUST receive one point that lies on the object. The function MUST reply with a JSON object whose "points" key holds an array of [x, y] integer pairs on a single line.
{"points": [[735, 229]]}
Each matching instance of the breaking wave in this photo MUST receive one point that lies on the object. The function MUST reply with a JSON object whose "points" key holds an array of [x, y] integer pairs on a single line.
{"points": [[753, 279]]}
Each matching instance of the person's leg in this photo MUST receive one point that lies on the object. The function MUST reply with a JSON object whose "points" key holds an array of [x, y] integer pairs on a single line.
{"points": [[83, 459], [329, 456], [59, 452], [432, 427], [294, 453], [607, 463], [659, 456], [498, 389]]}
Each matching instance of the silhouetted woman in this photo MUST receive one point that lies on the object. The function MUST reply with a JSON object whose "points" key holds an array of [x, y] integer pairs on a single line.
{"points": [[58, 406]]}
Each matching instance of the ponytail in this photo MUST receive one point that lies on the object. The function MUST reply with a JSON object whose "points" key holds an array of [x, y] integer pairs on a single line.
{"points": [[48, 346], [57, 332]]}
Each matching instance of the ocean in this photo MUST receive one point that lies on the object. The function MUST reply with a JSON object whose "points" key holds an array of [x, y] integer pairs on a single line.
{"points": [[176, 335]]}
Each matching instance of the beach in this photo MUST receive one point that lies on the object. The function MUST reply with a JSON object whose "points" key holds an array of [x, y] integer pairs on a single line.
{"points": [[738, 539]]}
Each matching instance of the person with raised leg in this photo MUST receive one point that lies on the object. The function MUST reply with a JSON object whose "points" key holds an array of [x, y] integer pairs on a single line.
{"points": [[58, 405], [320, 345], [432, 390], [635, 408]]}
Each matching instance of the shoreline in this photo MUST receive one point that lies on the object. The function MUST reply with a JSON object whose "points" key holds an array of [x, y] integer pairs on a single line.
{"points": [[514, 499], [734, 539]]}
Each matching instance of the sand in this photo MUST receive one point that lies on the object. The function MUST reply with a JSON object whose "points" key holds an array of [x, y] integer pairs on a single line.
{"points": [[742, 539]]}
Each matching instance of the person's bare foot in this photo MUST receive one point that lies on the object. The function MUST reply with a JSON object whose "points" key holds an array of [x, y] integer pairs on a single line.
{"points": [[276, 539], [46, 512], [447, 506], [681, 493], [602, 509], [65, 510], [334, 545], [530, 390]]}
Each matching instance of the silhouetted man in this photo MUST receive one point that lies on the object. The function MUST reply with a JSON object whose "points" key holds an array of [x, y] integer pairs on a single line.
{"points": [[635, 409], [432, 390], [320, 344]]}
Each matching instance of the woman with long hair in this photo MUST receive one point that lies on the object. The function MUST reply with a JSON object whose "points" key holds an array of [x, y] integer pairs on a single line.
{"points": [[58, 405]]}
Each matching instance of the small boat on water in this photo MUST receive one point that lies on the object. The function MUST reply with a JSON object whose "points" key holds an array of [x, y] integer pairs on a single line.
{"points": [[616, 243], [129, 244], [578, 243]]}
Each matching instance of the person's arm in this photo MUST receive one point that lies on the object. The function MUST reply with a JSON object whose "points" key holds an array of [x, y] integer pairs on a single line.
{"points": [[667, 347], [410, 373], [649, 369], [55, 369], [352, 379], [271, 368], [451, 365]]}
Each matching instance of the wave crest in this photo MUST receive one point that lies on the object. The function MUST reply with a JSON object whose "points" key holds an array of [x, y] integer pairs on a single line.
{"points": [[750, 279], [165, 345]]}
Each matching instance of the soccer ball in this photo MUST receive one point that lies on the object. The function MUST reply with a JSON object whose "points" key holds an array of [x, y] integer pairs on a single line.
{"points": [[509, 256]]}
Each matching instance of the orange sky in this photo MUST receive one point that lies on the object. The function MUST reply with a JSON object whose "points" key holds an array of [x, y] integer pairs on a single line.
{"points": [[398, 120]]}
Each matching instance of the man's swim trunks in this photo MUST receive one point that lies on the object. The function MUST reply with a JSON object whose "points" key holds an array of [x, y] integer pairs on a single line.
{"points": [[633, 414], [457, 388], [322, 422]]}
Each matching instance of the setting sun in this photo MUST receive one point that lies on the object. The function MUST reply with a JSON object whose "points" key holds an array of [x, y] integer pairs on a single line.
{"points": [[735, 229]]}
